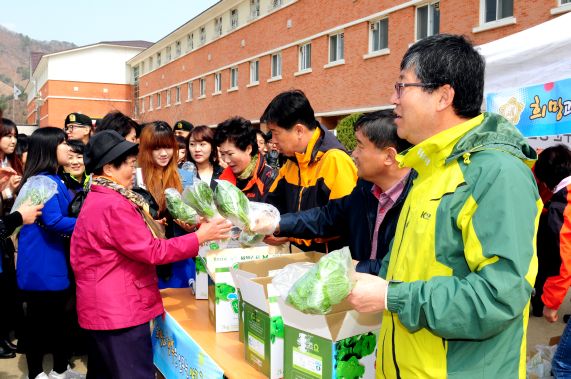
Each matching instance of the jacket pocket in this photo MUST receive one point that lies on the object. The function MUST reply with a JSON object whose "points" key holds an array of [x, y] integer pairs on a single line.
{"points": [[148, 291]]}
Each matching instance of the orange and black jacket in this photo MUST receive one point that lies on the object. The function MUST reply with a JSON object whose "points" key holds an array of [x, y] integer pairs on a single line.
{"points": [[256, 187], [554, 248], [323, 172]]}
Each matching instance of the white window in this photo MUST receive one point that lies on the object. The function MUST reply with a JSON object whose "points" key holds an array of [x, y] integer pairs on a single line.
{"points": [[379, 35], [169, 56], [498, 9], [151, 102], [190, 42], [202, 87], [143, 105], [427, 20], [142, 67], [336, 47], [276, 65], [217, 82], [565, 2], [158, 59], [254, 72], [218, 26], [275, 4], [150, 63], [305, 57], [189, 91], [234, 18], [254, 9], [234, 77], [168, 97], [158, 100], [202, 35], [178, 49], [177, 94]]}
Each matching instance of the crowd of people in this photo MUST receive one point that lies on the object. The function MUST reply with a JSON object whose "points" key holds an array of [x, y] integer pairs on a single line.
{"points": [[437, 202]]}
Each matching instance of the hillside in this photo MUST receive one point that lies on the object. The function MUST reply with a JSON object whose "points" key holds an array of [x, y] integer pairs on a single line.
{"points": [[15, 49]]}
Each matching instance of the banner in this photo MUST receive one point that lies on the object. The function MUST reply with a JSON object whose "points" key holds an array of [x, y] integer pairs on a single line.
{"points": [[177, 355], [542, 110]]}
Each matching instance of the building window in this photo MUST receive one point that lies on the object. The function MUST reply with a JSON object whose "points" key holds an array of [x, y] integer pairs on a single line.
{"points": [[218, 26], [178, 49], [177, 94], [563, 2], [151, 102], [379, 35], [168, 97], [336, 47], [189, 91], [217, 82], [142, 67], [234, 77], [202, 87], [190, 42], [254, 9], [305, 57], [150, 63], [234, 18], [158, 59], [158, 100], [254, 72], [202, 35], [276, 65], [143, 105], [427, 20], [169, 55], [498, 9], [275, 4]]}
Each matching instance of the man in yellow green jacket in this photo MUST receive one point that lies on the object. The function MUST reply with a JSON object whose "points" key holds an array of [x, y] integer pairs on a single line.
{"points": [[455, 288]]}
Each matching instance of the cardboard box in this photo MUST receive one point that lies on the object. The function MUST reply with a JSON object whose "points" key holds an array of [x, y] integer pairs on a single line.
{"points": [[263, 324], [342, 344], [223, 301], [200, 285]]}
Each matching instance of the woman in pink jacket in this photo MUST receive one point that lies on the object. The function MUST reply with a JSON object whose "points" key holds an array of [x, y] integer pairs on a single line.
{"points": [[114, 249]]}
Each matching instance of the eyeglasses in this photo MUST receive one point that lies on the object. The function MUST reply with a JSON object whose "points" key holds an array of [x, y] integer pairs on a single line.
{"points": [[399, 86], [70, 127]]}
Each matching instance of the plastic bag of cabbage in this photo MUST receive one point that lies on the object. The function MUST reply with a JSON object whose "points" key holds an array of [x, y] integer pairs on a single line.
{"points": [[200, 197], [322, 285], [178, 209]]}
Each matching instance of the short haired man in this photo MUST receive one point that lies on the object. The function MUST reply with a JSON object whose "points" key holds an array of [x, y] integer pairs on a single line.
{"points": [[554, 247], [78, 126], [365, 219], [318, 168], [462, 264], [183, 128]]}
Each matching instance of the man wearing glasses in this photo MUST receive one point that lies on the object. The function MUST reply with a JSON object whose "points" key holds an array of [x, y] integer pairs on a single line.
{"points": [[456, 285], [78, 126]]}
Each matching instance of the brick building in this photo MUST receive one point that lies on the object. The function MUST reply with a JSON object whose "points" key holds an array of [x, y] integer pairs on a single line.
{"points": [[233, 58], [93, 80]]}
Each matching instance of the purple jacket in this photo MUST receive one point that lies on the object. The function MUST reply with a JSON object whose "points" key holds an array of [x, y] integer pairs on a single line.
{"points": [[113, 256]]}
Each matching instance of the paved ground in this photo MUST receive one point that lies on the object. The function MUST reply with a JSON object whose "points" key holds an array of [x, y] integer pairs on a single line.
{"points": [[539, 332]]}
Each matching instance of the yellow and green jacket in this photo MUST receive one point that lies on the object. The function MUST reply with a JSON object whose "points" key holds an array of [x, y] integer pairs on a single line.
{"points": [[463, 261], [310, 179]]}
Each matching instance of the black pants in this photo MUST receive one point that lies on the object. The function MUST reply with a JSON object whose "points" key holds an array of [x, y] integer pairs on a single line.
{"points": [[10, 305], [45, 329], [121, 354]]}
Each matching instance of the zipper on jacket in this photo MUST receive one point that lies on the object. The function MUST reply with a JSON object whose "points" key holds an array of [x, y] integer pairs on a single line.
{"points": [[400, 243], [397, 369]]}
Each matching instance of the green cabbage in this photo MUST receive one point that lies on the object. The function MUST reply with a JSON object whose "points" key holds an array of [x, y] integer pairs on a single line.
{"points": [[178, 209], [232, 203], [200, 197]]}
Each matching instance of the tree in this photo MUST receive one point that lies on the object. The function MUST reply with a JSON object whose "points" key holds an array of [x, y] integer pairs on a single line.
{"points": [[346, 131]]}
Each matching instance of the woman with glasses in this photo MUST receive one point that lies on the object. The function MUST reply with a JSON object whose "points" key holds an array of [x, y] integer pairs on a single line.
{"points": [[159, 171], [78, 126], [42, 269]]}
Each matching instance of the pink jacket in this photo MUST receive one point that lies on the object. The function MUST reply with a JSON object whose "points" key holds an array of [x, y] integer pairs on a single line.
{"points": [[113, 256]]}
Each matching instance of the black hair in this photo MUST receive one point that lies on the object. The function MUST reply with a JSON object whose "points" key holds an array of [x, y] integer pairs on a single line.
{"points": [[42, 152], [288, 109], [379, 127], [22, 145], [261, 132], [553, 165], [238, 131], [76, 146], [119, 122], [181, 142], [203, 133], [7, 128], [450, 59]]}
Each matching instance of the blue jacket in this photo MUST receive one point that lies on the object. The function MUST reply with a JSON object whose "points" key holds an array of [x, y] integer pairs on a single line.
{"points": [[353, 218], [41, 254]]}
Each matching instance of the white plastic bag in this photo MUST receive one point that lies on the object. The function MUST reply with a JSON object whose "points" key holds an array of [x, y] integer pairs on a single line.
{"points": [[201, 198], [264, 218], [539, 365], [284, 279], [178, 209], [324, 285], [38, 189]]}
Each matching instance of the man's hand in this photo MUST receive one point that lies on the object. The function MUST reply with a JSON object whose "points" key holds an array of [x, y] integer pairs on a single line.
{"points": [[369, 293], [550, 314], [30, 212]]}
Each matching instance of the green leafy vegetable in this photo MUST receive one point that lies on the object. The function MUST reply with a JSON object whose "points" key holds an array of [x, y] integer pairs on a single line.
{"points": [[276, 328], [200, 197], [232, 203], [178, 209], [223, 292], [349, 351]]}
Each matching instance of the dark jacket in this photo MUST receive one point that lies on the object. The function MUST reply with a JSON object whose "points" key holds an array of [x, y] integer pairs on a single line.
{"points": [[256, 187], [353, 217]]}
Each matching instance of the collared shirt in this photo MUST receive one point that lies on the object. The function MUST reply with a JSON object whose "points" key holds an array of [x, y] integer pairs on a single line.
{"points": [[386, 201], [564, 183]]}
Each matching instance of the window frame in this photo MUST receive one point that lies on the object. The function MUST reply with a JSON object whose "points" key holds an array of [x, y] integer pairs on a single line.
{"points": [[202, 88], [254, 9], [218, 24], [234, 19], [159, 59], [159, 101], [202, 35], [304, 51], [177, 95], [380, 30], [339, 54], [273, 70], [484, 9], [255, 72], [429, 21], [217, 83]]}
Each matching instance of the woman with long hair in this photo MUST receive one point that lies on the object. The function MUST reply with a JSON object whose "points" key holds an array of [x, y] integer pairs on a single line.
{"points": [[202, 151], [159, 169], [247, 170], [42, 269], [9, 158]]}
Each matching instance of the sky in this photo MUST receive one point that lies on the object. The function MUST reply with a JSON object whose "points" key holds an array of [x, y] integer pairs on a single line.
{"points": [[84, 22]]}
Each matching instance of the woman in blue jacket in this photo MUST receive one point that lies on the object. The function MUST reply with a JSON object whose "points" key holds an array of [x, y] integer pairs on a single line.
{"points": [[42, 270]]}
